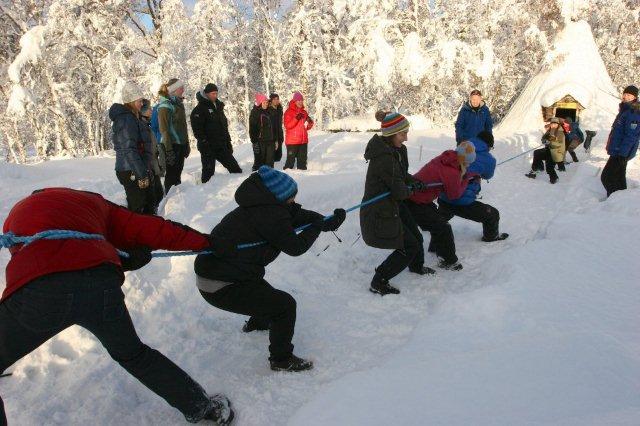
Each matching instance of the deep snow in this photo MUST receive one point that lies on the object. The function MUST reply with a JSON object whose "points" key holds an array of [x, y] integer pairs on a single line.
{"points": [[538, 329]]}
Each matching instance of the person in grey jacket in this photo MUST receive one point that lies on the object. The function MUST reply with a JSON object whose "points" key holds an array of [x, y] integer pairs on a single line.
{"points": [[134, 151]]}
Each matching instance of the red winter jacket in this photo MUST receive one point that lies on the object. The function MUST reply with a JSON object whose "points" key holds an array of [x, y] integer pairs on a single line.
{"points": [[446, 170], [63, 208], [296, 130]]}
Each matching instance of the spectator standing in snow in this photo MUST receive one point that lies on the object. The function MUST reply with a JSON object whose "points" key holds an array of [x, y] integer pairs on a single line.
{"points": [[156, 165], [573, 137], [80, 284], [473, 118], [623, 141], [261, 132], [211, 129], [172, 121], [553, 152], [275, 107], [449, 169], [388, 224], [134, 150], [297, 124], [266, 211], [467, 206]]}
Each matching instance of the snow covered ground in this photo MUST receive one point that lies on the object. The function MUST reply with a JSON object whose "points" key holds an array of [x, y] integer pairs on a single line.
{"points": [[539, 329]]}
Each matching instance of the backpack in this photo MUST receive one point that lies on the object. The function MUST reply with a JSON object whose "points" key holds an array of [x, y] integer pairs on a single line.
{"points": [[153, 123]]}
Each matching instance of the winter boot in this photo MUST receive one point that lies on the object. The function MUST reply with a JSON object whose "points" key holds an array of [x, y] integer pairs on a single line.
{"points": [[451, 266], [292, 364], [381, 286], [587, 141], [531, 174], [255, 323], [499, 237], [553, 179], [423, 270], [220, 411], [561, 167], [573, 155]]}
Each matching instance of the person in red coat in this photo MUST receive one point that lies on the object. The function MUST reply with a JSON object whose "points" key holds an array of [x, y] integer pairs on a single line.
{"points": [[297, 124], [449, 168], [54, 284]]}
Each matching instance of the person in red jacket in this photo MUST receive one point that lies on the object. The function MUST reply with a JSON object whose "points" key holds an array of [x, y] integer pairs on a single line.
{"points": [[449, 168], [54, 284], [297, 123]]}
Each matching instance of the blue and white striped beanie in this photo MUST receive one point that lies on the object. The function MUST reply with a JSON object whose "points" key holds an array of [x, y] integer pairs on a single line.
{"points": [[280, 184]]}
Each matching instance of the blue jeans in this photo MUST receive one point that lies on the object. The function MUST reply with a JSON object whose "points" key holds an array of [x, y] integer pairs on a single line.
{"points": [[92, 299]]}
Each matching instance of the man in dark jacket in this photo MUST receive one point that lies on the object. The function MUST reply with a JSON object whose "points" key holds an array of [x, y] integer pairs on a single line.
{"points": [[266, 214], [54, 284], [473, 118], [211, 128], [275, 107], [623, 142]]}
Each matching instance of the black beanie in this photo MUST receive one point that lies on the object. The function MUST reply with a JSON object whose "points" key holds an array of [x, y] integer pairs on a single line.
{"points": [[273, 96], [632, 90], [487, 137], [210, 87]]}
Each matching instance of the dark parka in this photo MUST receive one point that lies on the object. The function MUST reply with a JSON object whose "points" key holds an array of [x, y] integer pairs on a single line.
{"points": [[210, 125], [625, 132], [131, 141], [259, 217], [276, 123], [261, 125], [380, 222]]}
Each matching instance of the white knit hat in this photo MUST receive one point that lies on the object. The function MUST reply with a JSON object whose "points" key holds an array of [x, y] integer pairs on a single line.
{"points": [[131, 92], [175, 86]]}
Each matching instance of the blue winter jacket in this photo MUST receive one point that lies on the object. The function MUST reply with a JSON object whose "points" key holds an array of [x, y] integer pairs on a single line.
{"points": [[472, 121], [131, 141], [484, 165], [575, 132], [625, 131]]}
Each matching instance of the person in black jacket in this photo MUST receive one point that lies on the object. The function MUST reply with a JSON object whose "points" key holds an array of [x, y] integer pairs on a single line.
{"points": [[261, 132], [266, 213], [275, 107], [211, 128]]}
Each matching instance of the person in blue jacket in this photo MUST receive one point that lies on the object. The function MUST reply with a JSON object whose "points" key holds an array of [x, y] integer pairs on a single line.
{"points": [[134, 150], [473, 118], [467, 205], [623, 141], [574, 138]]}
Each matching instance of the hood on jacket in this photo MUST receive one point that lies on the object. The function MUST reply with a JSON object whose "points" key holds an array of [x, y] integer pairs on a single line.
{"points": [[292, 105], [252, 192], [117, 110], [202, 99], [449, 158], [635, 105], [481, 146], [377, 147]]}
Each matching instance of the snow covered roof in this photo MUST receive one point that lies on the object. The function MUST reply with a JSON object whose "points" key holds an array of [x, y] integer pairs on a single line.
{"points": [[573, 67]]}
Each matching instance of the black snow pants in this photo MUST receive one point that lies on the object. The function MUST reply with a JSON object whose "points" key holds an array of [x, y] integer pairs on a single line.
{"points": [[614, 174], [428, 219]]}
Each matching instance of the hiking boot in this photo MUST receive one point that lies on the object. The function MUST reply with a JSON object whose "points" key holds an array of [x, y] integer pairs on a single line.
{"points": [[499, 237], [292, 364], [451, 266], [255, 323], [531, 174], [382, 287], [424, 270], [220, 411]]}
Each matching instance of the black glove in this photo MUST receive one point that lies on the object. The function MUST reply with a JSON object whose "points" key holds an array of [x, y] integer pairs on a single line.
{"points": [[418, 186], [222, 247], [333, 223], [138, 257], [299, 116], [170, 158]]}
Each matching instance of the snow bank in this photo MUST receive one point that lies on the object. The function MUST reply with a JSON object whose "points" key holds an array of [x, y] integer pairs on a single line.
{"points": [[572, 66]]}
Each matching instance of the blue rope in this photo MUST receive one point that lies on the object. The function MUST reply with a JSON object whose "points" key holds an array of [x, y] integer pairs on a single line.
{"points": [[519, 155], [9, 239]]}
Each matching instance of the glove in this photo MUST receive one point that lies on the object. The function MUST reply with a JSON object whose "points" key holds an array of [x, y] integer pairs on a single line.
{"points": [[299, 116], [418, 186], [170, 158], [222, 247], [339, 215], [138, 257], [310, 124], [143, 183]]}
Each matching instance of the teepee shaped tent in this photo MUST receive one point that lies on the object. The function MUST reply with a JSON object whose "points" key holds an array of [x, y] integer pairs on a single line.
{"points": [[572, 81]]}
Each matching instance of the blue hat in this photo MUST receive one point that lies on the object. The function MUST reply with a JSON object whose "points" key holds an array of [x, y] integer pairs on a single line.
{"points": [[280, 184]]}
